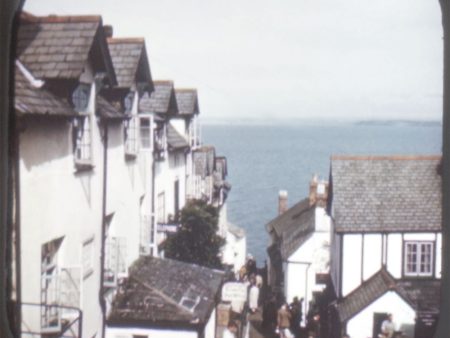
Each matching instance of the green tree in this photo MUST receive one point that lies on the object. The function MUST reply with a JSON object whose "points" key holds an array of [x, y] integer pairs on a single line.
{"points": [[197, 241]]}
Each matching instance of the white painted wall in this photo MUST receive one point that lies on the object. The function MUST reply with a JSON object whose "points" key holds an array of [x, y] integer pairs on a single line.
{"points": [[372, 254], [351, 261], [303, 265], [113, 332], [58, 201], [361, 325], [210, 327], [394, 255]]}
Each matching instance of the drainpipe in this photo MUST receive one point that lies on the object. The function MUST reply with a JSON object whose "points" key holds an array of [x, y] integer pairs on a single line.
{"points": [[444, 324], [101, 297]]}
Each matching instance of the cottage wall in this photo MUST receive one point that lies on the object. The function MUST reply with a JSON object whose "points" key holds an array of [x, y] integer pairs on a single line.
{"points": [[362, 325], [59, 201], [364, 254]]}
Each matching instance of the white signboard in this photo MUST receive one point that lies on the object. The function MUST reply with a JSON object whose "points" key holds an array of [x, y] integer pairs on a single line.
{"points": [[234, 292]]}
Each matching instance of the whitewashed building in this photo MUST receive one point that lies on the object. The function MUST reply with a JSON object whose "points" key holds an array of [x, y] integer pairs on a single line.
{"points": [[164, 298], [386, 243], [62, 63], [299, 252]]}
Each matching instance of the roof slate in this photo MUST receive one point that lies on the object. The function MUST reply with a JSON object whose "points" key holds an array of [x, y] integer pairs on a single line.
{"points": [[127, 56], [365, 294], [38, 101], [58, 47], [187, 100], [422, 294], [107, 110], [174, 139], [391, 193], [293, 227], [161, 101], [155, 289]]}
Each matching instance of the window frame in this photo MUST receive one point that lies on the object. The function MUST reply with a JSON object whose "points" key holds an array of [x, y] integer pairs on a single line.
{"points": [[420, 251], [132, 136], [83, 153]]}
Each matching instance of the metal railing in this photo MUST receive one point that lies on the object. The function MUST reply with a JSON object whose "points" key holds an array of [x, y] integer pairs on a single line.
{"points": [[55, 321]]}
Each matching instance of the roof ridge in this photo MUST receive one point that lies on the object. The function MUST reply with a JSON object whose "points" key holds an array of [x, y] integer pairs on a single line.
{"points": [[126, 40], [384, 157], [186, 90], [53, 18]]}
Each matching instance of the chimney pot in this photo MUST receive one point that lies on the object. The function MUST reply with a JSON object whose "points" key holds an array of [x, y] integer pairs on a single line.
{"points": [[108, 29], [282, 201]]}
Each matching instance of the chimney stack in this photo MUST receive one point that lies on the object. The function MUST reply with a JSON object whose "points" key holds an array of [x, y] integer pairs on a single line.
{"points": [[318, 192], [108, 29], [282, 201]]}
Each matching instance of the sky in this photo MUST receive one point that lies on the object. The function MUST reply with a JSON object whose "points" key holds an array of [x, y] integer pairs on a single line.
{"points": [[280, 60]]}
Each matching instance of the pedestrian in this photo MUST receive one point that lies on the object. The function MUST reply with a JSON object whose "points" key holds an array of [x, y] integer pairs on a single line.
{"points": [[231, 330], [294, 307], [284, 321], [313, 326], [388, 327], [253, 297], [259, 281]]}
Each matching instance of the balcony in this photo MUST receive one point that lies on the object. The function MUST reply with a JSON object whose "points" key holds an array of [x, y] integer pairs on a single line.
{"points": [[115, 261], [200, 188], [58, 314]]}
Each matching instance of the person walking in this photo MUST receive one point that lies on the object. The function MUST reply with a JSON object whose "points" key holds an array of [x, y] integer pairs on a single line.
{"points": [[253, 297], [284, 321]]}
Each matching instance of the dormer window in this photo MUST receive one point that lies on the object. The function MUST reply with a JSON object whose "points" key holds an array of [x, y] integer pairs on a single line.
{"points": [[82, 141], [81, 96]]}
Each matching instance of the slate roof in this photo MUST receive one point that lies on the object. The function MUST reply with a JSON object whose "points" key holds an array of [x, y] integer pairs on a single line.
{"points": [[166, 292], [58, 47], [174, 139], [187, 100], [369, 291], [421, 295], [386, 193], [161, 101], [38, 101], [130, 61], [204, 160], [293, 227], [107, 110]]}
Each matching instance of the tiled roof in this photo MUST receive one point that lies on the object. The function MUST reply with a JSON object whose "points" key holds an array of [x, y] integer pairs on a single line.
{"points": [[174, 139], [130, 61], [421, 294], [161, 101], [58, 47], [38, 101], [365, 294], [391, 193], [203, 161], [166, 292], [107, 110], [293, 227], [424, 294], [187, 101]]}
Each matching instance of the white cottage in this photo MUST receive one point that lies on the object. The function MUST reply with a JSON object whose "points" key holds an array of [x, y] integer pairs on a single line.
{"points": [[386, 243], [300, 242], [62, 62]]}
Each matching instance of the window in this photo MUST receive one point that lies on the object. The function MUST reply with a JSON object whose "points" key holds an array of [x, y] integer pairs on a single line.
{"points": [[145, 134], [131, 136], [418, 258], [88, 257], [82, 140], [161, 208]]}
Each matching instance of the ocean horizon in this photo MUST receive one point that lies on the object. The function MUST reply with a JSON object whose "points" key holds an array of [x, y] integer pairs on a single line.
{"points": [[265, 157]]}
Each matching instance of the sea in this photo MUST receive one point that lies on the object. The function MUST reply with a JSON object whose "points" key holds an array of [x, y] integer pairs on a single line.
{"points": [[264, 158]]}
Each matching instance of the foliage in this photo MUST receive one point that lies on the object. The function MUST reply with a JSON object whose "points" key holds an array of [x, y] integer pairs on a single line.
{"points": [[197, 241]]}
